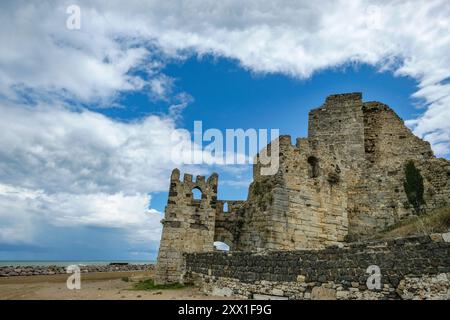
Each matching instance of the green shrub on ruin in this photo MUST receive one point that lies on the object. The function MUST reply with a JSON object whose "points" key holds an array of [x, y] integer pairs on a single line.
{"points": [[413, 185], [262, 192], [149, 284]]}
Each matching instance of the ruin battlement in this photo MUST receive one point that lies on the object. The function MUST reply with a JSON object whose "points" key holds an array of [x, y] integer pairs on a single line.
{"points": [[339, 99]]}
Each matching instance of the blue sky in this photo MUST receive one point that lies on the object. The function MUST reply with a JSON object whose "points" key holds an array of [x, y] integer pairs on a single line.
{"points": [[87, 114]]}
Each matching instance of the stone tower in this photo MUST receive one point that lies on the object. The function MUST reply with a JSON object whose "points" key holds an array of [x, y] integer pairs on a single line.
{"points": [[188, 224]]}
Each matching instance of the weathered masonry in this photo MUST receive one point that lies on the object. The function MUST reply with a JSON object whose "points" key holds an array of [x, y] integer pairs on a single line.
{"points": [[342, 183], [409, 268]]}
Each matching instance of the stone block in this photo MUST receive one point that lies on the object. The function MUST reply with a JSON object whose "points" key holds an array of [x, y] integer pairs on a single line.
{"points": [[446, 237], [321, 293]]}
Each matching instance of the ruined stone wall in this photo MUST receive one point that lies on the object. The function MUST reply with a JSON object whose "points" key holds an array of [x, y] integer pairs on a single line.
{"points": [[378, 199], [414, 267], [388, 140], [436, 173], [343, 182], [228, 222], [188, 224], [296, 209], [305, 204], [257, 218], [336, 132]]}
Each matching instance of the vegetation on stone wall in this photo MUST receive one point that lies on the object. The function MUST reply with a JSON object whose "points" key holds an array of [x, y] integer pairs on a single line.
{"points": [[261, 191], [413, 185], [333, 178], [435, 221], [150, 285]]}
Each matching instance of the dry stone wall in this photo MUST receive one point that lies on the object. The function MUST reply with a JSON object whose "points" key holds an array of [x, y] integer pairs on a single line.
{"points": [[414, 267]]}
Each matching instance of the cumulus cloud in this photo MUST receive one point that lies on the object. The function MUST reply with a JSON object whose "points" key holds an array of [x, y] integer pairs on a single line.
{"points": [[123, 46], [73, 168], [37, 55], [83, 152], [79, 168], [297, 38], [24, 210]]}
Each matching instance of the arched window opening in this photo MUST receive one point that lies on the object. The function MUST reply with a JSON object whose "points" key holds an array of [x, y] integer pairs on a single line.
{"points": [[196, 194], [225, 207], [221, 246], [313, 167]]}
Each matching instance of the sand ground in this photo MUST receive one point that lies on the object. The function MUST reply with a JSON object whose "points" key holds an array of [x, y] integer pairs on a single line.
{"points": [[94, 286]]}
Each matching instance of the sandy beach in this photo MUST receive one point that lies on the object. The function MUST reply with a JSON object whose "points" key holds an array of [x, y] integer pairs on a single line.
{"points": [[94, 286]]}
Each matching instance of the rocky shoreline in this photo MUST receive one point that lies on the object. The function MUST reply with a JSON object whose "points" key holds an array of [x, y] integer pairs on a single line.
{"points": [[13, 271]]}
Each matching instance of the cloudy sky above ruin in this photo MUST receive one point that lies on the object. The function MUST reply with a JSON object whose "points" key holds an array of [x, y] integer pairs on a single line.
{"points": [[85, 114]]}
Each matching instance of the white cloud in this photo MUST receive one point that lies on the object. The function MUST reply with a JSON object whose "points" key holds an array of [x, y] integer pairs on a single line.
{"points": [[82, 153], [80, 168], [410, 38], [161, 86], [41, 54], [53, 148], [24, 210], [299, 38]]}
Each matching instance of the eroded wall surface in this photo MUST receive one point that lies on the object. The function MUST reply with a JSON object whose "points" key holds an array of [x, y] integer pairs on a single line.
{"points": [[414, 267]]}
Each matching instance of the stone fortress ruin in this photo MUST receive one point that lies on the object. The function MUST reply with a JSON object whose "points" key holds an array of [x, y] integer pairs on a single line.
{"points": [[341, 184]]}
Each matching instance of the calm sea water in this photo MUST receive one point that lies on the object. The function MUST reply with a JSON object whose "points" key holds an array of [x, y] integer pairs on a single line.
{"points": [[66, 263]]}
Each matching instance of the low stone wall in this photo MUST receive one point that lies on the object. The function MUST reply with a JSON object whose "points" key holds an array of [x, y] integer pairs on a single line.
{"points": [[414, 267], [11, 271], [424, 287]]}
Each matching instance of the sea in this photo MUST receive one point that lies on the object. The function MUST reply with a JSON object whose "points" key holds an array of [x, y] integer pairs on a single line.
{"points": [[67, 263]]}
